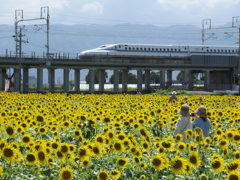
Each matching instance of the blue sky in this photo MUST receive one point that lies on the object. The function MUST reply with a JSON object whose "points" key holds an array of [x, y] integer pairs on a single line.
{"points": [[109, 12]]}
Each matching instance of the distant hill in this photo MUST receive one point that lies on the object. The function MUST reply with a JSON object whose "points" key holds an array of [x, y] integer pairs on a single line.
{"points": [[73, 39]]}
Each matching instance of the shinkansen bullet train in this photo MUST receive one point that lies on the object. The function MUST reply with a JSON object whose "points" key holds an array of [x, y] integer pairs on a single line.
{"points": [[148, 50]]}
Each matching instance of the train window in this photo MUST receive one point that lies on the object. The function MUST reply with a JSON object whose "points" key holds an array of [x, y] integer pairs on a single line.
{"points": [[137, 49], [163, 49], [141, 49], [152, 49], [210, 50], [214, 50], [218, 50], [229, 50], [175, 49], [185, 48], [149, 49], [119, 46], [221, 50], [133, 48], [145, 49], [167, 49], [115, 47], [125, 48], [171, 49], [179, 49], [160, 49], [207, 50], [129, 48], [232, 50], [202, 48], [156, 49], [225, 50]]}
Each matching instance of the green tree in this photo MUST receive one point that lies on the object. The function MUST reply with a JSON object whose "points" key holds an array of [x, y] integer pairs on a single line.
{"points": [[132, 79], [180, 75], [96, 79]]}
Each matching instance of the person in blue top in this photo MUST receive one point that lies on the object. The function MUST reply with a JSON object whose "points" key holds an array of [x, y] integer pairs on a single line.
{"points": [[202, 121]]}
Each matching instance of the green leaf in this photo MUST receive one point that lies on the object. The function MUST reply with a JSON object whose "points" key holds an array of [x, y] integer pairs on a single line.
{"points": [[170, 176]]}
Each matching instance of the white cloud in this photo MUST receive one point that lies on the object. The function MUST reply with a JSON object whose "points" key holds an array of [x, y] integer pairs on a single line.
{"points": [[94, 7], [200, 4]]}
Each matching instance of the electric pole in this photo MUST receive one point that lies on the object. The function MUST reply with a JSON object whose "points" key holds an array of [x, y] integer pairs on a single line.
{"points": [[19, 34]]}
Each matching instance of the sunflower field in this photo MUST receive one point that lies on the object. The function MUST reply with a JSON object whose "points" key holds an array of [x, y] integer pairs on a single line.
{"points": [[125, 137]]}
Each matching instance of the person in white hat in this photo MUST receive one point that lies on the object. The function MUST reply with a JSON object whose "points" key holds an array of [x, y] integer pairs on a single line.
{"points": [[173, 97], [183, 123], [185, 98]]}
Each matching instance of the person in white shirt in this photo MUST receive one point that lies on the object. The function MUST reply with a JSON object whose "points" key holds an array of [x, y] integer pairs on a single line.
{"points": [[183, 123]]}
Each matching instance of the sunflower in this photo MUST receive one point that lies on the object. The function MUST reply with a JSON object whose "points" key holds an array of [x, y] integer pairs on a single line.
{"points": [[233, 166], [115, 174], [237, 155], [207, 140], [55, 146], [26, 139], [96, 150], [136, 160], [41, 157], [168, 145], [86, 162], [10, 131], [233, 176], [103, 175], [42, 130], [60, 156], [203, 177], [217, 165], [179, 137], [40, 119], [118, 147], [50, 162], [1, 171], [188, 169], [31, 158], [9, 153], [64, 148], [3, 144], [145, 145], [229, 134], [223, 144], [77, 133], [236, 137], [181, 146], [122, 162], [158, 162], [143, 177], [143, 166], [66, 173], [178, 165], [99, 139], [194, 159], [83, 152]]}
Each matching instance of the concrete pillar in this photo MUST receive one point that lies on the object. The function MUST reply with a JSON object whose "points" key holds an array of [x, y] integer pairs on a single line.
{"points": [[16, 80], [169, 78], [25, 80], [190, 80], [66, 80], [207, 80], [91, 80], [116, 81], [77, 79], [162, 79], [40, 80], [51, 80], [147, 80], [101, 79], [139, 80], [124, 80], [2, 79], [184, 79]]}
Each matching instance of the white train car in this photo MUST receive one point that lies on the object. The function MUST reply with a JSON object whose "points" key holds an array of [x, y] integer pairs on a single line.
{"points": [[151, 50]]}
